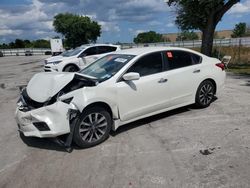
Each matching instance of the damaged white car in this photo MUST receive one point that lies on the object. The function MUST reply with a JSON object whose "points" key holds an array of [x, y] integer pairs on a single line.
{"points": [[117, 89]]}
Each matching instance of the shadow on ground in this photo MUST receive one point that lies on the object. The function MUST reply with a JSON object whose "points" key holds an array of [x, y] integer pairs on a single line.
{"points": [[43, 143], [54, 144]]}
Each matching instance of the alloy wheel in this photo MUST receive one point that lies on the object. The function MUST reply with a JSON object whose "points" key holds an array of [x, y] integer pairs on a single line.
{"points": [[206, 94], [93, 127]]}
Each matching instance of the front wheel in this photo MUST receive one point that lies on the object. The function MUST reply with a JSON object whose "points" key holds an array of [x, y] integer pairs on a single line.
{"points": [[205, 94], [93, 127], [70, 68]]}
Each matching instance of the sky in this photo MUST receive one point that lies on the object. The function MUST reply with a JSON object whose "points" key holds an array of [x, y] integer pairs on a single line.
{"points": [[121, 20]]}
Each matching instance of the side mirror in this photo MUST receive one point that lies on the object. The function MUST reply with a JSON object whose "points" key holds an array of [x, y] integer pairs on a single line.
{"points": [[131, 76]]}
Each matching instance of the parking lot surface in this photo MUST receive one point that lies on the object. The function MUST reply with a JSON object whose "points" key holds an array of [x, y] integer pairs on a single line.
{"points": [[186, 147]]}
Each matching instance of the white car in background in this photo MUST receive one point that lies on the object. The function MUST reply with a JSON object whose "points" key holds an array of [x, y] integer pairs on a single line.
{"points": [[117, 89], [80, 57]]}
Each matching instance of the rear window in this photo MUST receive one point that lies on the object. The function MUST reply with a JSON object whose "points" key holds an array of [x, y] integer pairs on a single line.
{"points": [[196, 59], [106, 49], [179, 59]]}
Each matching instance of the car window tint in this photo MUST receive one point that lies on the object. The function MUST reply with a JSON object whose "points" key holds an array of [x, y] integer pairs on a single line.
{"points": [[106, 49], [178, 59], [196, 59], [90, 51], [148, 64]]}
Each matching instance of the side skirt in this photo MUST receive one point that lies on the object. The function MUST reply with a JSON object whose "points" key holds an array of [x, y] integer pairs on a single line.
{"points": [[118, 122]]}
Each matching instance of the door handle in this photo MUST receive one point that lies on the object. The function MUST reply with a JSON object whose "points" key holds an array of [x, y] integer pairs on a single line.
{"points": [[162, 80], [196, 71]]}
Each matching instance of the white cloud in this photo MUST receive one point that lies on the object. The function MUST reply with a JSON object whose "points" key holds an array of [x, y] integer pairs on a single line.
{"points": [[241, 8], [4, 32], [140, 31], [109, 26], [155, 23], [35, 20], [170, 25]]}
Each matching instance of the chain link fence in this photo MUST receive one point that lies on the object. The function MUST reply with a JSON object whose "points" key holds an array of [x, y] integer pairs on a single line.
{"points": [[237, 48], [25, 51]]}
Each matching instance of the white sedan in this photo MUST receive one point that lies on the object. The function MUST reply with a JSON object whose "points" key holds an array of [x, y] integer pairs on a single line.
{"points": [[117, 89]]}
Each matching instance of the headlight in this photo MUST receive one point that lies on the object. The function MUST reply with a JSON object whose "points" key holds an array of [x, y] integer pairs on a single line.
{"points": [[56, 62], [52, 62]]}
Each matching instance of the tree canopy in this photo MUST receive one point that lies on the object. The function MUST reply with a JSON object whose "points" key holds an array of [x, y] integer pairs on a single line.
{"points": [[203, 15], [148, 37], [19, 43], [76, 29], [240, 30]]}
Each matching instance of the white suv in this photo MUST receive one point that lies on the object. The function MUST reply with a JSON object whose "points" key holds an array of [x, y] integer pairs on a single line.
{"points": [[80, 57]]}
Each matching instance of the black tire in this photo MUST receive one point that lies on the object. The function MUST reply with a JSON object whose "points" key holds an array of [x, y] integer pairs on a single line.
{"points": [[86, 133], [205, 94], [70, 68]]}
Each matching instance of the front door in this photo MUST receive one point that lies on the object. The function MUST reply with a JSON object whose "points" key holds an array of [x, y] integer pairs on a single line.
{"points": [[146, 95]]}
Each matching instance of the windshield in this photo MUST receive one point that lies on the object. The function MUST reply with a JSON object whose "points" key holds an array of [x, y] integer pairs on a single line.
{"points": [[65, 53], [107, 66], [73, 52]]}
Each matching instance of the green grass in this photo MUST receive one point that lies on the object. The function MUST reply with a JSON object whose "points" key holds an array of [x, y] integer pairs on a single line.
{"points": [[239, 68]]}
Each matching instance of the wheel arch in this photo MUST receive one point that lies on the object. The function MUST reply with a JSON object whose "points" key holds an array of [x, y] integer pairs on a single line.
{"points": [[213, 82], [70, 64], [100, 104]]}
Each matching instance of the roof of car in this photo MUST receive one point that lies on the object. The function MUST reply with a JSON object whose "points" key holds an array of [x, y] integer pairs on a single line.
{"points": [[88, 45], [143, 50]]}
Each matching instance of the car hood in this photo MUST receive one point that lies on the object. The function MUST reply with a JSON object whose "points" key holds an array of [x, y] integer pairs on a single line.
{"points": [[54, 58], [45, 85], [59, 58]]}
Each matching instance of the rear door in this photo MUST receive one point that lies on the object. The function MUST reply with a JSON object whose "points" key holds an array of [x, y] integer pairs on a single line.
{"points": [[184, 75]]}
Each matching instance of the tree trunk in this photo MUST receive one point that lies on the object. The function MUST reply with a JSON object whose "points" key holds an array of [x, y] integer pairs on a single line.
{"points": [[207, 39]]}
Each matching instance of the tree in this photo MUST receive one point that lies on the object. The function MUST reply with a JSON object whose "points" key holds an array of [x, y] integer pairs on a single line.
{"points": [[19, 43], [76, 29], [240, 30], [4, 46], [41, 43], [148, 37], [187, 35], [27, 44], [203, 15]]}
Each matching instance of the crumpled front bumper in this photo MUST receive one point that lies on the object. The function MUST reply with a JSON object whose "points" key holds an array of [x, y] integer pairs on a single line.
{"points": [[55, 117]]}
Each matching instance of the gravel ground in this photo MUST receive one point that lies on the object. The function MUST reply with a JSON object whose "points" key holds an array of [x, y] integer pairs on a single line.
{"points": [[186, 147]]}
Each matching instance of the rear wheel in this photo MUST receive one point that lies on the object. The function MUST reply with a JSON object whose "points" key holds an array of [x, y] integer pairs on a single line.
{"points": [[93, 127], [70, 68], [205, 94]]}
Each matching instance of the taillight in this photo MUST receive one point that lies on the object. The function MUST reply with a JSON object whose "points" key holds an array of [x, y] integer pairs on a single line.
{"points": [[221, 65]]}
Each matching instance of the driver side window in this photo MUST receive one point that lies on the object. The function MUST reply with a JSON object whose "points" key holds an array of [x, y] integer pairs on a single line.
{"points": [[148, 64], [90, 51]]}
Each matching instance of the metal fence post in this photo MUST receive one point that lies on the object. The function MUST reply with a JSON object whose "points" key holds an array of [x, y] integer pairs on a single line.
{"points": [[239, 50]]}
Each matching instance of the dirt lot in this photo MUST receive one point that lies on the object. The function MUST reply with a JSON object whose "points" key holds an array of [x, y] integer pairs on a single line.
{"points": [[182, 148]]}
